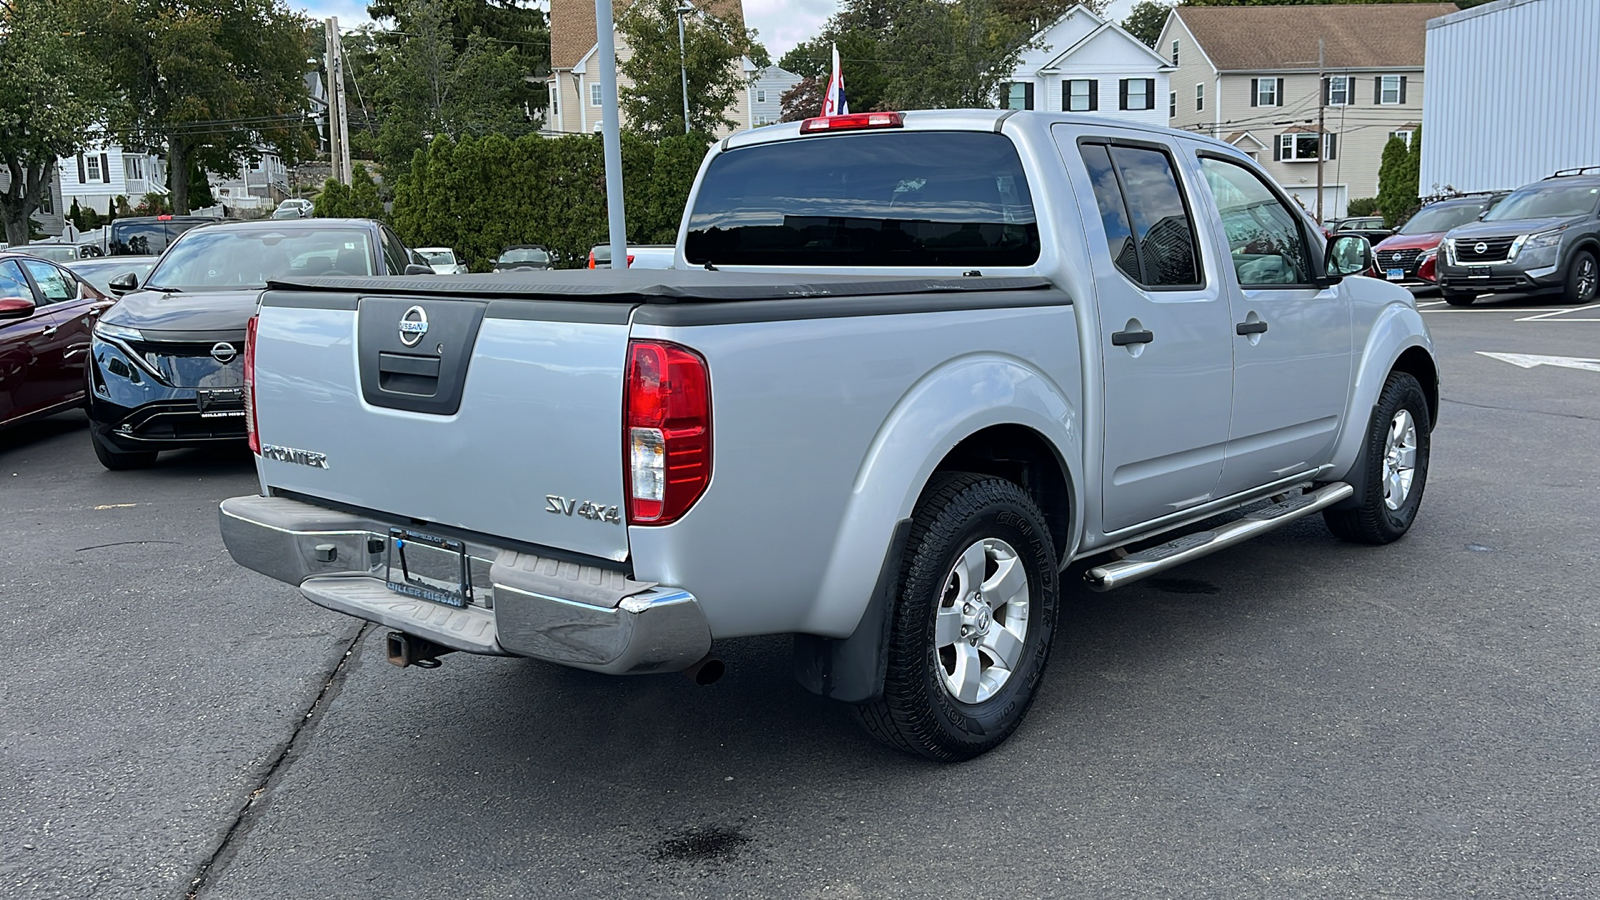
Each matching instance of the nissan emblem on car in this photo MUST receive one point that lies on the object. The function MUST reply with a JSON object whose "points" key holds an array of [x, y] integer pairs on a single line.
{"points": [[413, 326], [223, 352], [1480, 248]]}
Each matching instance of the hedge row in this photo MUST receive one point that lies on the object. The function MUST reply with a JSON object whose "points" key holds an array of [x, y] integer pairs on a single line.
{"points": [[481, 195]]}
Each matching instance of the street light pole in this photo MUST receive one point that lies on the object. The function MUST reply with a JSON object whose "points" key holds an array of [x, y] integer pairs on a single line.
{"points": [[683, 65]]}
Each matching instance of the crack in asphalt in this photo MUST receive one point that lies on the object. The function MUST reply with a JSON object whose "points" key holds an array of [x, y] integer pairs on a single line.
{"points": [[1521, 409], [245, 815]]}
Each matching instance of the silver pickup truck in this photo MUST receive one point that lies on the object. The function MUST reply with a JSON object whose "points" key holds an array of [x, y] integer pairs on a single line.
{"points": [[908, 369]]}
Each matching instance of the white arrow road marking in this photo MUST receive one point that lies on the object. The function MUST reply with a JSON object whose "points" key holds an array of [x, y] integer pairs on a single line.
{"points": [[1528, 361]]}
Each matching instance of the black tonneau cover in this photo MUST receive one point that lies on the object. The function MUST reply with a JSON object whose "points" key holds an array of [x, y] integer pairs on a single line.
{"points": [[656, 286]]}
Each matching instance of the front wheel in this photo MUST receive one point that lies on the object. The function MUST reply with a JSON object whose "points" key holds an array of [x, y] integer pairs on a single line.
{"points": [[972, 622], [1459, 298], [1583, 278], [1394, 463]]}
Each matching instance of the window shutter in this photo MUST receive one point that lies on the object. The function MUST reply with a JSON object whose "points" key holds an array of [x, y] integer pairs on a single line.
{"points": [[1122, 94], [1325, 88], [82, 178], [1255, 93], [1094, 95], [1150, 93], [1402, 90], [1277, 149], [1066, 96], [1377, 90], [1279, 92], [105, 169], [1027, 96]]}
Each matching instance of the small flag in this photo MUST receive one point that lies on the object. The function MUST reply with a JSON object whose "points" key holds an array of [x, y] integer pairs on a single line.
{"points": [[834, 103]]}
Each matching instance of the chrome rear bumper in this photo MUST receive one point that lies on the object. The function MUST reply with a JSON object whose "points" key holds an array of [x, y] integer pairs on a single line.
{"points": [[522, 605]]}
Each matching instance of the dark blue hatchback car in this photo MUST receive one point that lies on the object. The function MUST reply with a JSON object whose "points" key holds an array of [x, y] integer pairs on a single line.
{"points": [[167, 368]]}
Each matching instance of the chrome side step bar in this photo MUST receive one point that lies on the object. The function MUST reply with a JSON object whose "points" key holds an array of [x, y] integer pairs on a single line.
{"points": [[1161, 557]]}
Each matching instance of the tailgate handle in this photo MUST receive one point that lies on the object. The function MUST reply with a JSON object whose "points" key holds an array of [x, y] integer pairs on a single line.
{"points": [[402, 373]]}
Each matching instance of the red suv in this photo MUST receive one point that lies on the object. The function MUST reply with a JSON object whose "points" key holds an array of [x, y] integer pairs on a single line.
{"points": [[1411, 253]]}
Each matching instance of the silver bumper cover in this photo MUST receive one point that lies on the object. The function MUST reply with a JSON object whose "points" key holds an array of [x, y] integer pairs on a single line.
{"points": [[523, 605]]}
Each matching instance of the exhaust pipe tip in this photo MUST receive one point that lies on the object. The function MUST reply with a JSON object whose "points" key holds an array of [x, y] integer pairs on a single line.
{"points": [[706, 671]]}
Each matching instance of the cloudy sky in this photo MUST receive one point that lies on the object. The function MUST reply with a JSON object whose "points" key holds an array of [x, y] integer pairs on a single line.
{"points": [[781, 23]]}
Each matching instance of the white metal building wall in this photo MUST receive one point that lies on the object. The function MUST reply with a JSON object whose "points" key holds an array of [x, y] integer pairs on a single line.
{"points": [[1513, 94]]}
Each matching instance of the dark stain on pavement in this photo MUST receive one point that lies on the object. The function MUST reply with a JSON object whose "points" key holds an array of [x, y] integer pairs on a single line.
{"points": [[706, 844]]}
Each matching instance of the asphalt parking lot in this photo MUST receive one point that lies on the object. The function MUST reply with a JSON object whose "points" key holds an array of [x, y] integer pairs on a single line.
{"points": [[1291, 718]]}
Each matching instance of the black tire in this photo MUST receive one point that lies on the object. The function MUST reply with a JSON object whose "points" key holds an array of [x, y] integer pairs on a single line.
{"points": [[1459, 298], [121, 460], [1583, 279], [918, 712], [1371, 520]]}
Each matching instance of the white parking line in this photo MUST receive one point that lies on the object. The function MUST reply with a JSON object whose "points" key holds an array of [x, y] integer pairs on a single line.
{"points": [[1562, 313]]}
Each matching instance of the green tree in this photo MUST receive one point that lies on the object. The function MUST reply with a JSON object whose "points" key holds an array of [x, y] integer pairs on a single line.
{"points": [[209, 81], [52, 87], [426, 80], [951, 54], [712, 47], [1146, 20], [1397, 182]]}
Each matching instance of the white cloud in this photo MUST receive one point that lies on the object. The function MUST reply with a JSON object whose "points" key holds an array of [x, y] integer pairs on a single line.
{"points": [[781, 23]]}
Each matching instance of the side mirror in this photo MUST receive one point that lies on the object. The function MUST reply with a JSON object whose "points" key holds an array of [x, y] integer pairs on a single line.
{"points": [[415, 269], [1348, 254], [16, 307], [123, 283]]}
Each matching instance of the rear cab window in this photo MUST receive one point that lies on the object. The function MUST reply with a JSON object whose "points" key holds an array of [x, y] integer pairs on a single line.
{"points": [[902, 198]]}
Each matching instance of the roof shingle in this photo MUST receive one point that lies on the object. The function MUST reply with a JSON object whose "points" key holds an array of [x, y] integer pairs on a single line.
{"points": [[1355, 36]]}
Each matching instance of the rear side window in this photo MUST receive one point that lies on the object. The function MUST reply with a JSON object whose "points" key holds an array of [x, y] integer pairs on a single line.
{"points": [[148, 238], [1148, 228], [887, 199]]}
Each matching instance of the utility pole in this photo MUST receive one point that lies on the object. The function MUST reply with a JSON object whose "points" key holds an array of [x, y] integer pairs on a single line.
{"points": [[338, 112], [683, 64], [611, 132], [1322, 136]]}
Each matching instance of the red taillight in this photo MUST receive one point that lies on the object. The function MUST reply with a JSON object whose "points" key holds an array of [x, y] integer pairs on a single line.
{"points": [[853, 122], [163, 218], [630, 260], [250, 385], [666, 432]]}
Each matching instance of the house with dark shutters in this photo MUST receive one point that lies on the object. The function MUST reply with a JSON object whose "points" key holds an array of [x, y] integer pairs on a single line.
{"points": [[1084, 62], [100, 174], [1249, 75]]}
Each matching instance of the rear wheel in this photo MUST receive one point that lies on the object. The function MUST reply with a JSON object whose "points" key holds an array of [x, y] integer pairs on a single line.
{"points": [[1583, 278], [1459, 298], [120, 460], [972, 623], [1395, 461]]}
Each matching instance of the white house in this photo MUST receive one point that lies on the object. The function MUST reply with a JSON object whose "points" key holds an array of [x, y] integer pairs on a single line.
{"points": [[1513, 94], [99, 175], [764, 97], [262, 177], [1084, 62]]}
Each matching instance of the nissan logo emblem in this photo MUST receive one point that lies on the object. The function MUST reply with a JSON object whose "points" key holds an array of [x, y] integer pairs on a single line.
{"points": [[413, 326], [1480, 248], [223, 352]]}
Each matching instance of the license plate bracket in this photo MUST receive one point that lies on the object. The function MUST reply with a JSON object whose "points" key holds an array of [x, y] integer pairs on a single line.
{"points": [[428, 567], [1396, 274], [220, 403], [1477, 271]]}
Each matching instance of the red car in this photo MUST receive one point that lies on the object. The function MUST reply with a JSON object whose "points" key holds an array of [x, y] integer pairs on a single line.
{"points": [[1409, 255], [46, 313]]}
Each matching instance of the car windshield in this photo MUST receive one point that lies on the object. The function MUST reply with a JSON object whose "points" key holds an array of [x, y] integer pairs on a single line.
{"points": [[880, 199], [1436, 219], [525, 254], [1547, 201], [245, 258], [443, 257], [59, 254]]}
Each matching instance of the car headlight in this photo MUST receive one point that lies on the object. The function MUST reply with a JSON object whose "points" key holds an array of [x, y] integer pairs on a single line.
{"points": [[1427, 254], [116, 332], [1450, 251], [1543, 239]]}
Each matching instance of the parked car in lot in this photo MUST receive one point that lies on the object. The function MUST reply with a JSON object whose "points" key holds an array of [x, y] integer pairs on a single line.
{"points": [[101, 271], [640, 256], [46, 312], [294, 208], [523, 257], [1410, 255], [442, 260], [149, 235], [906, 369], [1544, 238], [1369, 227], [167, 367]]}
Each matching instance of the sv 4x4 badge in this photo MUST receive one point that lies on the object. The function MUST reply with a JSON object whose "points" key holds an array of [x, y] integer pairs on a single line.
{"points": [[598, 512]]}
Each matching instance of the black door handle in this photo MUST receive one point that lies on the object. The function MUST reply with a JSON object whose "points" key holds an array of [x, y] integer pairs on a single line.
{"points": [[1124, 338], [1256, 327]]}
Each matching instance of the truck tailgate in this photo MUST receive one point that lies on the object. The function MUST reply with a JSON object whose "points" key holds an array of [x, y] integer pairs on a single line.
{"points": [[480, 414]]}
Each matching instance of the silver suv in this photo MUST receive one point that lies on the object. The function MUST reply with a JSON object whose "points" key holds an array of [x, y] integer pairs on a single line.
{"points": [[1543, 239]]}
